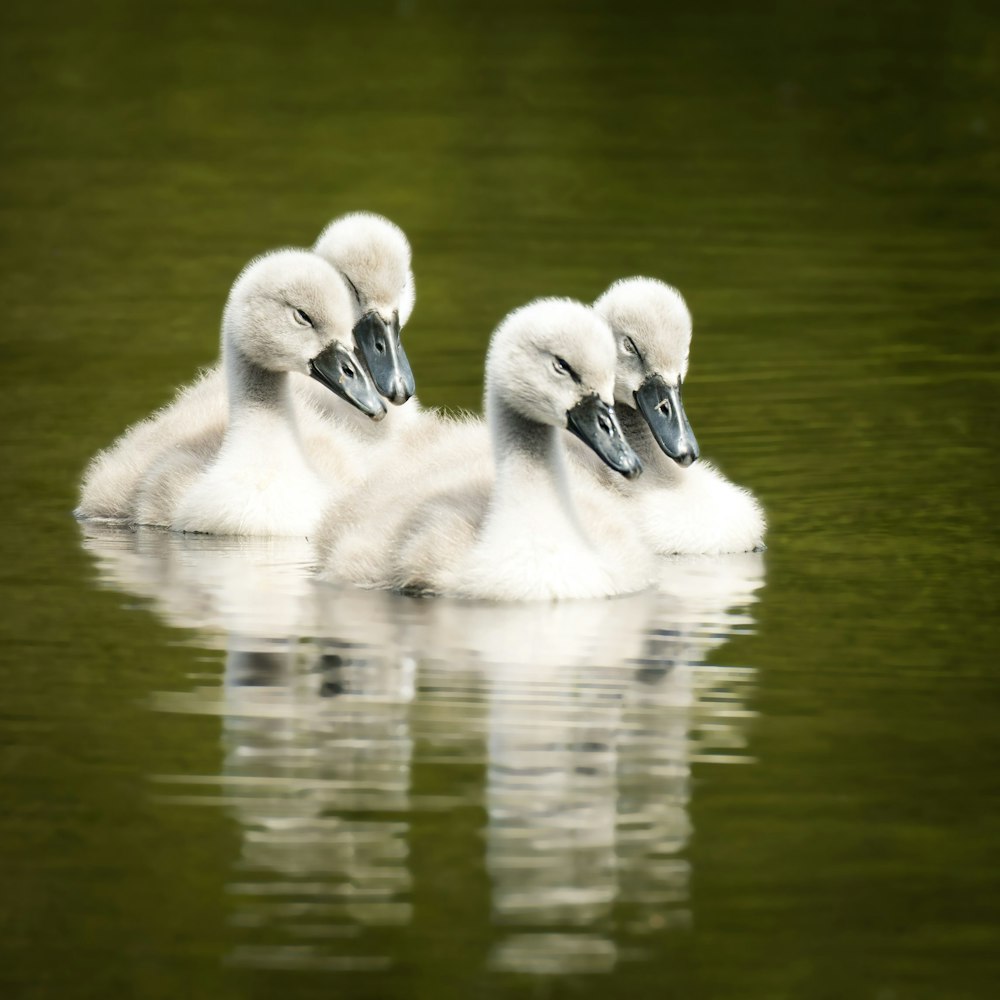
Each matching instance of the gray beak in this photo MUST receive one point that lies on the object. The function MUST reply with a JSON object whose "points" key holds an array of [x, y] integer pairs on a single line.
{"points": [[340, 371], [663, 409], [380, 346], [595, 423]]}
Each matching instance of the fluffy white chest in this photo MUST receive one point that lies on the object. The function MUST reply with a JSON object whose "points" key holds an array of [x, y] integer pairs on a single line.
{"points": [[259, 484], [534, 550]]}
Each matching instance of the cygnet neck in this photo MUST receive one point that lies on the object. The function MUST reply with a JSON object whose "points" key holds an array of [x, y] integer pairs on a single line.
{"points": [[252, 388], [637, 431], [655, 464], [529, 460]]}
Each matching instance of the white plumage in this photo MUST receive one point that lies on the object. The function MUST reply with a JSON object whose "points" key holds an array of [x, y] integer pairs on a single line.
{"points": [[248, 471], [374, 256], [447, 518], [694, 510]]}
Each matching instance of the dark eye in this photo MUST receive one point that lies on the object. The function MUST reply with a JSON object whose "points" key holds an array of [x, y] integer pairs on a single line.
{"points": [[354, 288], [302, 317], [629, 344], [560, 366]]}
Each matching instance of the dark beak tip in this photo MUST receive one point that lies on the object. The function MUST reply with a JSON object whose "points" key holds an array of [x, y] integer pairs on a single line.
{"points": [[398, 392], [628, 465]]}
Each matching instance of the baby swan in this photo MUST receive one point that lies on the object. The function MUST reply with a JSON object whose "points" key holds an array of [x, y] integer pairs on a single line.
{"points": [[373, 256], [681, 507], [513, 531], [287, 312]]}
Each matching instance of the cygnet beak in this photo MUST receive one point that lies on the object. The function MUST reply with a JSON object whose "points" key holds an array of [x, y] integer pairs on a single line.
{"points": [[380, 346], [595, 423], [341, 372], [663, 409]]}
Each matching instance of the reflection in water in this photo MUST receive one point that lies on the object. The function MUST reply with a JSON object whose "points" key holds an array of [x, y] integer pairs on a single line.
{"points": [[590, 738], [317, 770], [587, 715]]}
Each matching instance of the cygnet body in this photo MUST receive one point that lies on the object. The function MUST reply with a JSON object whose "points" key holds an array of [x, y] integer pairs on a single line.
{"points": [[288, 312], [447, 520], [373, 256], [682, 506]]}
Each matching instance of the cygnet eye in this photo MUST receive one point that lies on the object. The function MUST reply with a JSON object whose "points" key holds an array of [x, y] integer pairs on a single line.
{"points": [[560, 366], [301, 317], [354, 288], [628, 345]]}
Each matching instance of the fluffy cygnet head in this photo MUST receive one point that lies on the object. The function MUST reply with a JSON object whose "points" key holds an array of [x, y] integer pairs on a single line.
{"points": [[553, 362], [652, 331], [652, 328], [373, 255], [288, 311]]}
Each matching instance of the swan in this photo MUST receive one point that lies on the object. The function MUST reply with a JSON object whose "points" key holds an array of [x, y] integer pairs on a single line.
{"points": [[681, 507], [373, 256], [449, 520], [288, 311]]}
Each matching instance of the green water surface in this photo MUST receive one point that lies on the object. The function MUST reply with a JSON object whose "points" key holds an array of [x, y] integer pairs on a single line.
{"points": [[775, 780]]}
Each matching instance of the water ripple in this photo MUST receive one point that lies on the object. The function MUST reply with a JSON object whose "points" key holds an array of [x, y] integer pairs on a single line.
{"points": [[583, 719]]}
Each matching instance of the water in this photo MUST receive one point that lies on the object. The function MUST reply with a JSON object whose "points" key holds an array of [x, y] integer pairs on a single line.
{"points": [[776, 778]]}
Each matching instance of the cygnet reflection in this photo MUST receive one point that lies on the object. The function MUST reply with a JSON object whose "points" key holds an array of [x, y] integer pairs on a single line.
{"points": [[314, 703], [213, 583], [592, 714], [316, 768], [585, 717]]}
